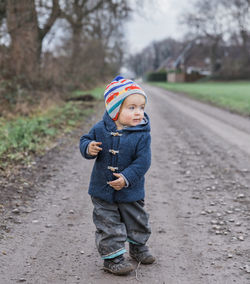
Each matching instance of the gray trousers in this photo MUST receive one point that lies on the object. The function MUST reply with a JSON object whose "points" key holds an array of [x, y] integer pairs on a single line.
{"points": [[117, 223]]}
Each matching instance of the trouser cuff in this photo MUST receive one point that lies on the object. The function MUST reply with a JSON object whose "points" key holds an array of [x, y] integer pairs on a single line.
{"points": [[114, 254]]}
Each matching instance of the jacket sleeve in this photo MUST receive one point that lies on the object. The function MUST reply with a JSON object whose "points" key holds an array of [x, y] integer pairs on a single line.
{"points": [[84, 143], [137, 169]]}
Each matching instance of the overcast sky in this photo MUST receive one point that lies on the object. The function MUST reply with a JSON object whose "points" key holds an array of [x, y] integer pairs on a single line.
{"points": [[158, 20]]}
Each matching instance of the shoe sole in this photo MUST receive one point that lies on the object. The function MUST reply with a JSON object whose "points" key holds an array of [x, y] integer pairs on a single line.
{"points": [[124, 272], [142, 262]]}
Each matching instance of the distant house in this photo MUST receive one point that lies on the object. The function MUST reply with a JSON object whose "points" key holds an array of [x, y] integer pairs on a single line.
{"points": [[191, 64], [167, 64]]}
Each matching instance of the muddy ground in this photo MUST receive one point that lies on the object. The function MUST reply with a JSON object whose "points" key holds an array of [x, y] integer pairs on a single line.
{"points": [[197, 196]]}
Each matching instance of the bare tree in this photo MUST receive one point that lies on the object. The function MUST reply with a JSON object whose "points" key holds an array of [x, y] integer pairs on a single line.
{"points": [[226, 24], [239, 11], [208, 20], [76, 12], [154, 56], [107, 27], [135, 63], [96, 23], [27, 36], [93, 22], [2, 10]]}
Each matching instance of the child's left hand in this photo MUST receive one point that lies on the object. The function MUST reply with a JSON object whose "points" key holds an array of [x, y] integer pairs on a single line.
{"points": [[119, 183]]}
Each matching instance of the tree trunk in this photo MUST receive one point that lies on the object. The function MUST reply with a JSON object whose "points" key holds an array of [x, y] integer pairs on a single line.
{"points": [[76, 48], [25, 47], [245, 53], [213, 56]]}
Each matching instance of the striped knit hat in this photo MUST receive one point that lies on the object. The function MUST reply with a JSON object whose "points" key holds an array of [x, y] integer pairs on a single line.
{"points": [[117, 91]]}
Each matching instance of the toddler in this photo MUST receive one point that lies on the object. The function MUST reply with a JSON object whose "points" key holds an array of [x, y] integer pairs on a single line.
{"points": [[120, 143]]}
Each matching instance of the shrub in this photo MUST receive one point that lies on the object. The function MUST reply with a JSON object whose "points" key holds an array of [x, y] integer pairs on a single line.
{"points": [[159, 76]]}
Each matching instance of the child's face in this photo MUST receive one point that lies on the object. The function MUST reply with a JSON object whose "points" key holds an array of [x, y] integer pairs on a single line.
{"points": [[132, 111]]}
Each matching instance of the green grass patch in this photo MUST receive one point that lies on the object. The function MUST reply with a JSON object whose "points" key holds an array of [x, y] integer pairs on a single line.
{"points": [[97, 92], [234, 96], [22, 137]]}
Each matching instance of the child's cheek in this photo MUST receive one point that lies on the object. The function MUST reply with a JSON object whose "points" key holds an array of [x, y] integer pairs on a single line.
{"points": [[129, 116]]}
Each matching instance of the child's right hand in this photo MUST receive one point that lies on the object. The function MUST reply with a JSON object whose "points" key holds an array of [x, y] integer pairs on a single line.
{"points": [[94, 148]]}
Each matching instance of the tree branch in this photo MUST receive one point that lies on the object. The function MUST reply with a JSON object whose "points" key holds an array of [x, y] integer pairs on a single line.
{"points": [[51, 20], [3, 5], [96, 7]]}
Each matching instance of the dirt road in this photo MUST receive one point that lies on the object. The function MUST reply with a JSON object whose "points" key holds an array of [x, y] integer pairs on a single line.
{"points": [[197, 195]]}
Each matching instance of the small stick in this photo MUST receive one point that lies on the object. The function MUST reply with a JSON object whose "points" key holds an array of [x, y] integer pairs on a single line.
{"points": [[136, 276]]}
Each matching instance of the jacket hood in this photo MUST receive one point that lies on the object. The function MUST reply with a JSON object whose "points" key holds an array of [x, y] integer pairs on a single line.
{"points": [[111, 126]]}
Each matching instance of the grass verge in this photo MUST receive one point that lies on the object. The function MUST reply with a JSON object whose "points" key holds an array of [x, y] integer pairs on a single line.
{"points": [[234, 96], [97, 93], [22, 137]]}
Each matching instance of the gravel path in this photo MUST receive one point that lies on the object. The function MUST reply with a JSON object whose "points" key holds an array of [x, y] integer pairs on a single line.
{"points": [[197, 195]]}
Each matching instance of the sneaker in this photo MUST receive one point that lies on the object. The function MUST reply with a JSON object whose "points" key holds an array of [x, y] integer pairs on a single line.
{"points": [[141, 254], [117, 266]]}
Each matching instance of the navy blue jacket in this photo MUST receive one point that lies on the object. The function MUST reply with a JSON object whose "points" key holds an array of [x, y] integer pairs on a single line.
{"points": [[133, 159]]}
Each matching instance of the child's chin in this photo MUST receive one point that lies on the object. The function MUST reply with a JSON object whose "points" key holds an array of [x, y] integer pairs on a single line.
{"points": [[135, 123]]}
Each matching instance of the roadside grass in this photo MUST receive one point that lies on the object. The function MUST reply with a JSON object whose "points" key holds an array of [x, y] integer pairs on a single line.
{"points": [[96, 92], [234, 96], [22, 137]]}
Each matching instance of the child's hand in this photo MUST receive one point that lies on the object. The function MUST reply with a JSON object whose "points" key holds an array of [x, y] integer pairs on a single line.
{"points": [[119, 183], [94, 148]]}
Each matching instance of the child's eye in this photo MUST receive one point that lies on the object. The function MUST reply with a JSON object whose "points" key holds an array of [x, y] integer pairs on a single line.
{"points": [[131, 107], [142, 108]]}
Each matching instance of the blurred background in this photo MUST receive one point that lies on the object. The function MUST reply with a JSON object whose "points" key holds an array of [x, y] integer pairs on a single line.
{"points": [[54, 52]]}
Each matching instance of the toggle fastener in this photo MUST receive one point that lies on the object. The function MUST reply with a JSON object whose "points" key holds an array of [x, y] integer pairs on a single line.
{"points": [[113, 169], [113, 151], [116, 134]]}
